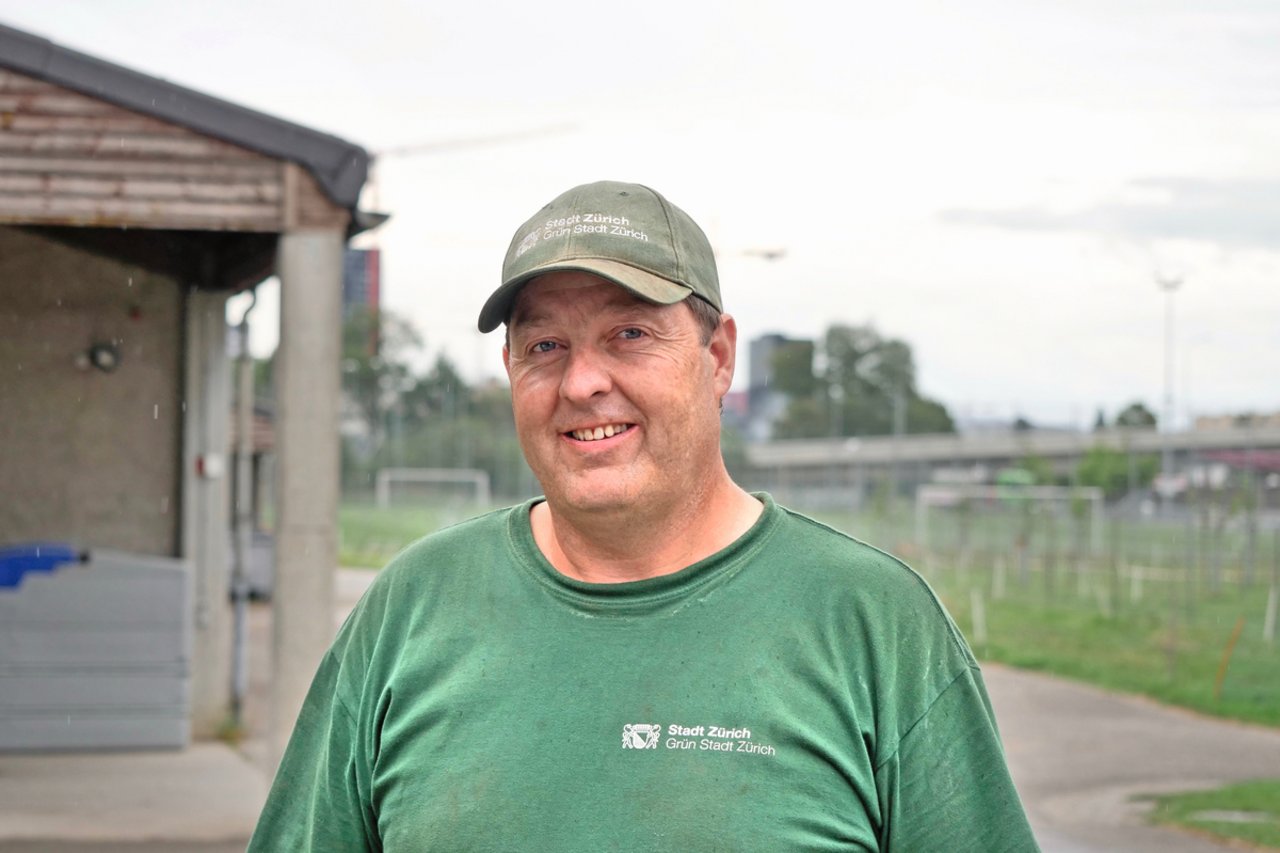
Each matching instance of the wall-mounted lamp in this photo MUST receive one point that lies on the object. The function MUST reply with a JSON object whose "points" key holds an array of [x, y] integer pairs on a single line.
{"points": [[105, 357]]}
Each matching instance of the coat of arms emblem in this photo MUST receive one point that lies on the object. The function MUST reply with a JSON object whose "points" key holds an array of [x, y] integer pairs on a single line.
{"points": [[640, 735]]}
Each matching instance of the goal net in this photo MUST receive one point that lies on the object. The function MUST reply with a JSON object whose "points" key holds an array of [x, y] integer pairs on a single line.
{"points": [[432, 485]]}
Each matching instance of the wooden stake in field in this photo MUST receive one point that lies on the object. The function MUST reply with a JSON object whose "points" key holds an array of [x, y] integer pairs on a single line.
{"points": [[1269, 622], [1226, 659], [1273, 597], [979, 613]]}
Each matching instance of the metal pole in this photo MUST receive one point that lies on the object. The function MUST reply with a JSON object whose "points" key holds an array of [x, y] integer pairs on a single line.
{"points": [[899, 427], [1169, 286], [242, 521]]}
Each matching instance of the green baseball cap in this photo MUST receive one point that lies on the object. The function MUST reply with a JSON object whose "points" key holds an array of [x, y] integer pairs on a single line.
{"points": [[625, 233]]}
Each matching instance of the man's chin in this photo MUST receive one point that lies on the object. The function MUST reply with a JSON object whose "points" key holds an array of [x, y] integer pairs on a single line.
{"points": [[600, 493]]}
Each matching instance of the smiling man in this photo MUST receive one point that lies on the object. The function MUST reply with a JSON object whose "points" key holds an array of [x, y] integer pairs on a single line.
{"points": [[617, 407], [648, 658]]}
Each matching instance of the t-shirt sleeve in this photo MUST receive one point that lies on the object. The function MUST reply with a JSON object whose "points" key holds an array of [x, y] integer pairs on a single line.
{"points": [[319, 800], [946, 786]]}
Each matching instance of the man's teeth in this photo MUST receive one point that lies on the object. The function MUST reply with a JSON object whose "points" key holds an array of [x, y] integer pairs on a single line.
{"points": [[599, 432]]}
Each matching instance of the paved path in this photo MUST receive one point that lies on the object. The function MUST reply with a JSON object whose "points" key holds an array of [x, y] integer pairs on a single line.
{"points": [[1078, 755]]}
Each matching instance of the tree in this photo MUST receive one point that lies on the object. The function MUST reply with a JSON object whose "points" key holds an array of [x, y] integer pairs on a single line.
{"points": [[792, 369], [804, 417], [926, 416], [441, 393], [421, 420], [858, 383], [1136, 415], [1040, 469], [375, 367], [1114, 471]]}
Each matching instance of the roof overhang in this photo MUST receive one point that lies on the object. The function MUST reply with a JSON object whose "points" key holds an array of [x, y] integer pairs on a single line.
{"points": [[340, 167]]}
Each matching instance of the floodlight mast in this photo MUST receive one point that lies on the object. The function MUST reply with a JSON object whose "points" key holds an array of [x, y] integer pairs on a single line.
{"points": [[1170, 285]]}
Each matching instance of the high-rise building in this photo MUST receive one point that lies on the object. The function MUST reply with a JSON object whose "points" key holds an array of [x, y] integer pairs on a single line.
{"points": [[361, 281]]}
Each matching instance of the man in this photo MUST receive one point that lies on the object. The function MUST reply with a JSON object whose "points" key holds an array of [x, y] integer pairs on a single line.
{"points": [[649, 658]]}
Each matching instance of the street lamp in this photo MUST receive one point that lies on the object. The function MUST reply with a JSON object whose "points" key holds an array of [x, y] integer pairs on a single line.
{"points": [[1168, 284]]}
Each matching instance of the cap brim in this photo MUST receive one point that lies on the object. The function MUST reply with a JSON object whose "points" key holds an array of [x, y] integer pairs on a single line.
{"points": [[644, 284]]}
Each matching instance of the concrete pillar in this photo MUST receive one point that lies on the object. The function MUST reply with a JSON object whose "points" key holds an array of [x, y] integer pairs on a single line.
{"points": [[307, 457], [205, 544]]}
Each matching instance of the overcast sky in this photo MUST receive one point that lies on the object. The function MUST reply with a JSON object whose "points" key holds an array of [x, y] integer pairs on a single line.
{"points": [[998, 182]]}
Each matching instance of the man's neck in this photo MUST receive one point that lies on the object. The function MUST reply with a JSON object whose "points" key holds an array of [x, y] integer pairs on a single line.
{"points": [[628, 546]]}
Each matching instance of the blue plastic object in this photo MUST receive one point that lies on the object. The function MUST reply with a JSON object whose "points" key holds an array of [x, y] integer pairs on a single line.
{"points": [[17, 560]]}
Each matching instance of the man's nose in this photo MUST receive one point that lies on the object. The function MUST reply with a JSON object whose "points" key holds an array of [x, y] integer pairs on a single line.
{"points": [[586, 374]]}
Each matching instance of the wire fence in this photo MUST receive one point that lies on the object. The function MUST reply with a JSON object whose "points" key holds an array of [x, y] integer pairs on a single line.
{"points": [[1111, 563]]}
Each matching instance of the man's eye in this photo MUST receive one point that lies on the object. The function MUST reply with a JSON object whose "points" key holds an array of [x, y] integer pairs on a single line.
{"points": [[631, 334], [543, 346]]}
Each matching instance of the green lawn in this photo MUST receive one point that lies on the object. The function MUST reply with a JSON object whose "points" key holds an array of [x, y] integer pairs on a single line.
{"points": [[1168, 644], [368, 536], [1249, 812]]}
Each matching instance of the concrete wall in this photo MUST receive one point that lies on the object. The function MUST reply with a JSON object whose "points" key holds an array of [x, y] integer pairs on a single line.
{"points": [[88, 456]]}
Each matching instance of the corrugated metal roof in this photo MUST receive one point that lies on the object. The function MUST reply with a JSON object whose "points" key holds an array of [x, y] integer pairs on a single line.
{"points": [[339, 166]]}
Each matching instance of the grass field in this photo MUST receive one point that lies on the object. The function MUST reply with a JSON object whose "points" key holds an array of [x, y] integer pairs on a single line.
{"points": [[1208, 654], [368, 536], [1248, 812]]}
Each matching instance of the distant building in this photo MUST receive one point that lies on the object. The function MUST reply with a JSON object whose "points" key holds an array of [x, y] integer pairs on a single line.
{"points": [[361, 281], [362, 287], [765, 403], [1245, 420]]}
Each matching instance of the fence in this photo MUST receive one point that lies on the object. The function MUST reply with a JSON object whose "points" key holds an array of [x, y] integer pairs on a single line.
{"points": [[1069, 553]]}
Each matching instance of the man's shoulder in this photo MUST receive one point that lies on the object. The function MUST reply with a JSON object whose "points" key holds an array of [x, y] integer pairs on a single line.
{"points": [[447, 564], [458, 551], [854, 583], [854, 575], [827, 548], [466, 535]]}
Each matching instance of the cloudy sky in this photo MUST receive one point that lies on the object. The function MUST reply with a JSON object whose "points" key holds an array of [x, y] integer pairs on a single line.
{"points": [[999, 182]]}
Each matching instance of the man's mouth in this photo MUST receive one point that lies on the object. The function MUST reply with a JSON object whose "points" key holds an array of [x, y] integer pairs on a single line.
{"points": [[600, 432]]}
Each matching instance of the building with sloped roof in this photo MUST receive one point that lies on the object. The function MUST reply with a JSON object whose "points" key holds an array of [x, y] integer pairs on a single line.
{"points": [[131, 209]]}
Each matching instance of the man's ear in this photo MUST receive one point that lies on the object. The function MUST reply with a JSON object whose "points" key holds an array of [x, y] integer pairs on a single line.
{"points": [[723, 348], [506, 360]]}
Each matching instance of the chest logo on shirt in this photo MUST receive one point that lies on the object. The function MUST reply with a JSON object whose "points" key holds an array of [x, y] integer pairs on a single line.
{"points": [[641, 735], [704, 738]]}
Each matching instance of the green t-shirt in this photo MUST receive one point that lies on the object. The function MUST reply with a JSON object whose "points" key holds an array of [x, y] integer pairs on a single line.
{"points": [[799, 690]]}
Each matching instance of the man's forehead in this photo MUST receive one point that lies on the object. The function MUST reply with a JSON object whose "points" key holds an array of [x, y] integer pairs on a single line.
{"points": [[536, 300]]}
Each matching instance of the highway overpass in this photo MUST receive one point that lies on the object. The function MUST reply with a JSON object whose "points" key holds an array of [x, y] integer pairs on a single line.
{"points": [[845, 469]]}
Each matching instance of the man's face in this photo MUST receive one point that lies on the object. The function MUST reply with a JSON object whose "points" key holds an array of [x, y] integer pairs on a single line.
{"points": [[616, 399]]}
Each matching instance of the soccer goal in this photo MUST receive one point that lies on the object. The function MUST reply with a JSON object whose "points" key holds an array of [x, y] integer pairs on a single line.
{"points": [[432, 484]]}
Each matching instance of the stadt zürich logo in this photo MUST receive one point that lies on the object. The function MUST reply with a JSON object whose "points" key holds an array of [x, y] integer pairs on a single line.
{"points": [[641, 735]]}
